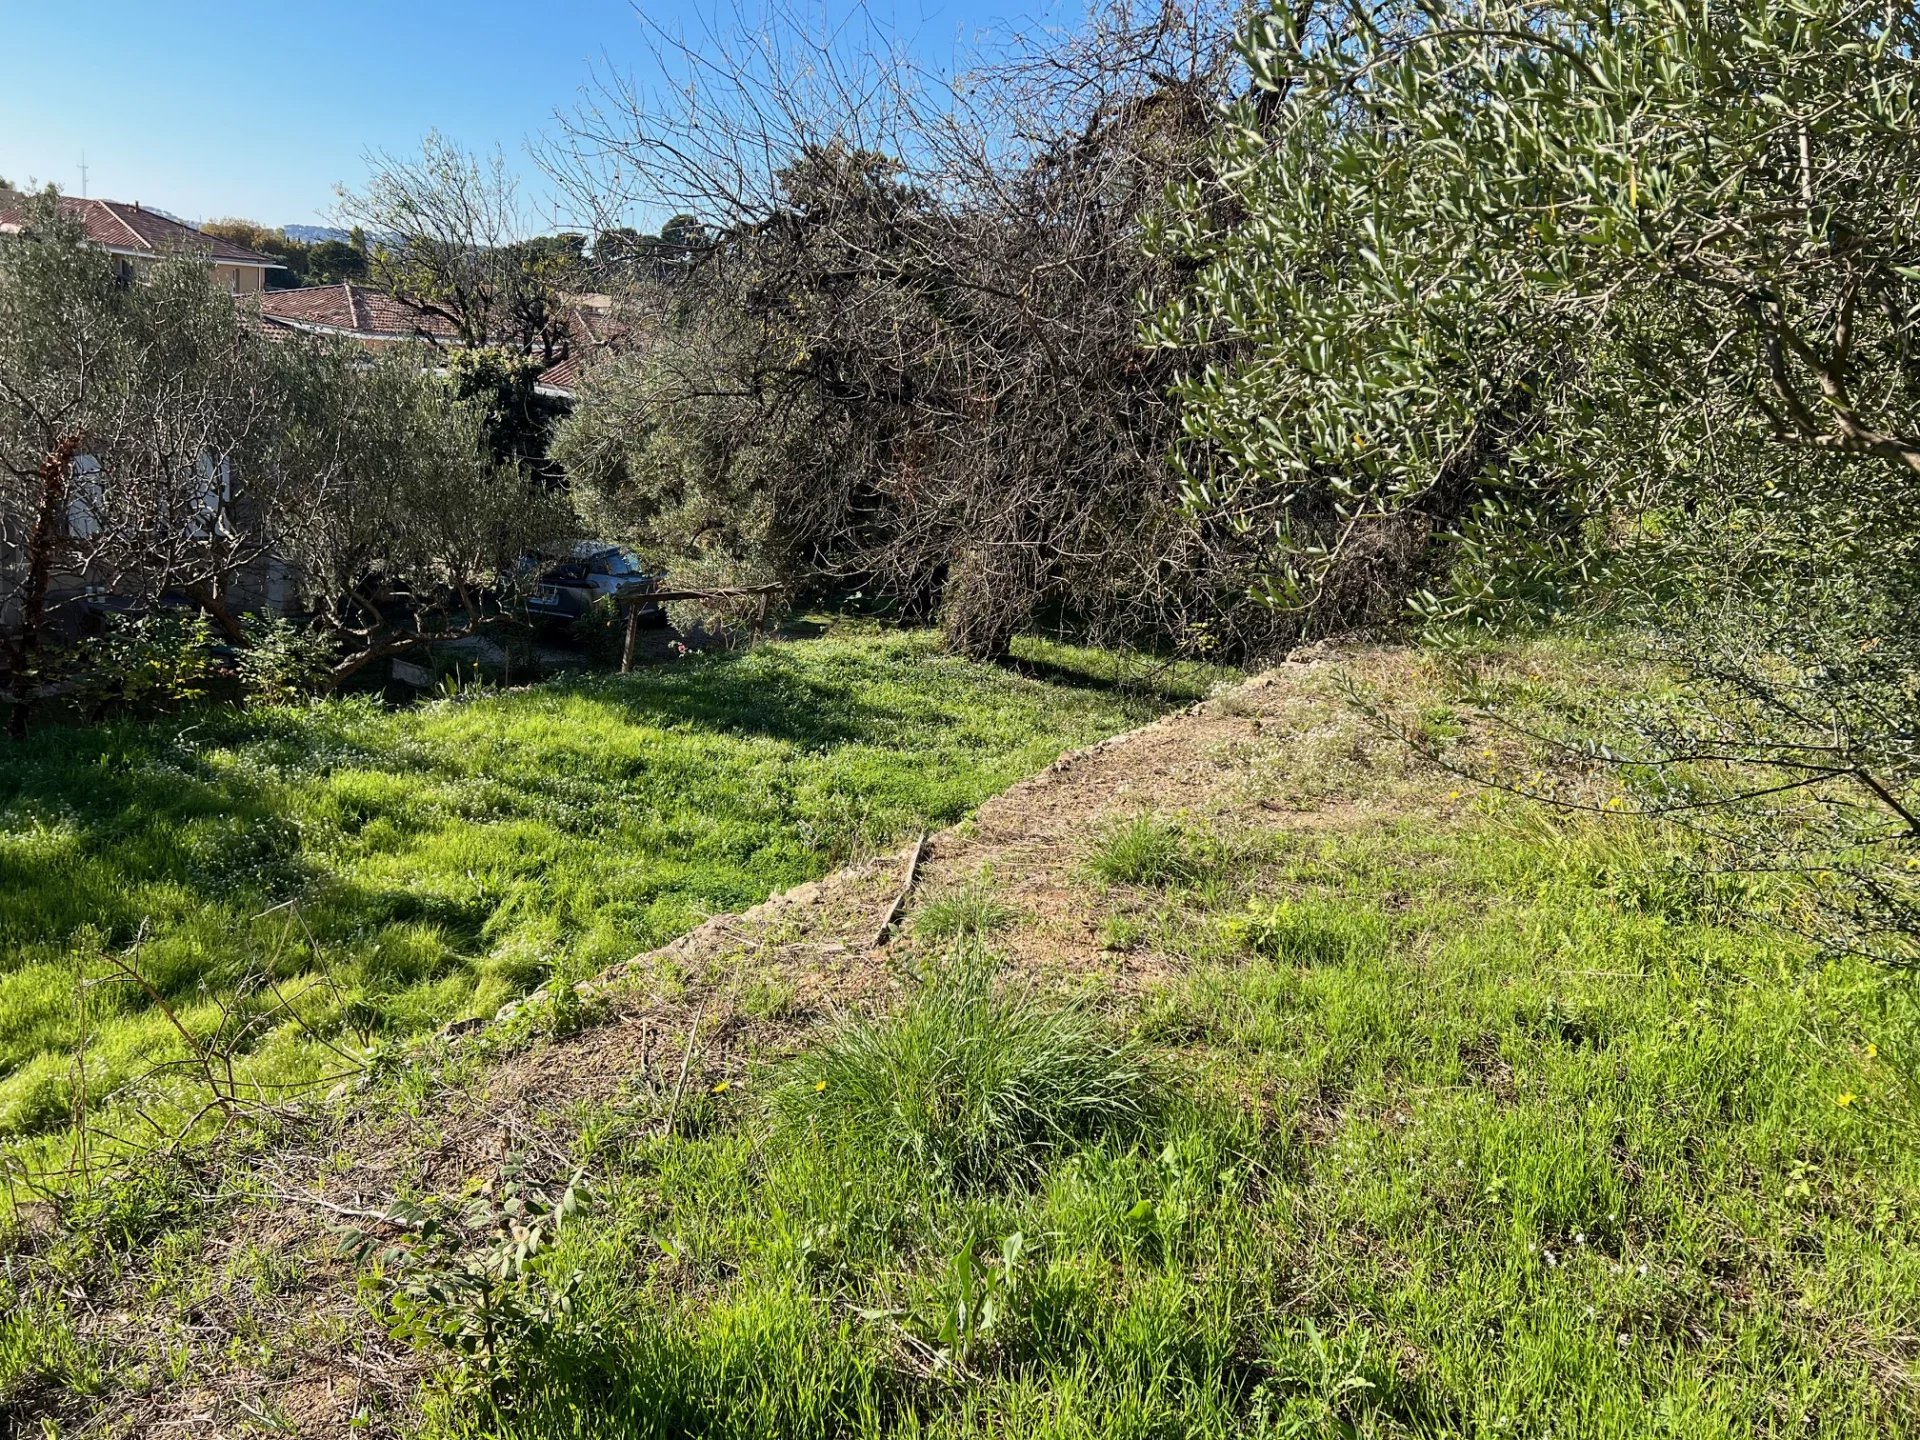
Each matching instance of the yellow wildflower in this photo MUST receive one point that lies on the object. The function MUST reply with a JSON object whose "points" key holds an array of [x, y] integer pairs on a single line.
{"points": [[819, 1086], [1872, 1051], [1845, 1100], [721, 1087]]}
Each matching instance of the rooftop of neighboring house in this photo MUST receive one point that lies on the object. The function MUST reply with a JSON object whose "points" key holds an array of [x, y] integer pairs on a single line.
{"points": [[357, 311], [591, 332], [129, 229]]}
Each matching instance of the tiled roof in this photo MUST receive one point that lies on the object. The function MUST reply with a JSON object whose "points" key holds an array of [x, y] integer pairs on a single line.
{"points": [[563, 374], [278, 331], [356, 310], [120, 226], [592, 331], [366, 314]]}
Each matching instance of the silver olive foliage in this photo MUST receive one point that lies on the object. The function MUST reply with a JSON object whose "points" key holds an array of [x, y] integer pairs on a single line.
{"points": [[1611, 307], [154, 442]]}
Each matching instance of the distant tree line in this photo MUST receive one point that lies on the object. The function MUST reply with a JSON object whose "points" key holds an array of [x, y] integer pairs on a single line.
{"points": [[321, 262]]}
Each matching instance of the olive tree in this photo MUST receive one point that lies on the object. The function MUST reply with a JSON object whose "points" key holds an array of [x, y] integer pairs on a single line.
{"points": [[407, 525], [1611, 302], [1493, 255], [152, 441], [129, 414]]}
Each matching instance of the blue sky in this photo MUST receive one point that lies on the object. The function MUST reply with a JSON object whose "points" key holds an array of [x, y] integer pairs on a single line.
{"points": [[209, 108]]}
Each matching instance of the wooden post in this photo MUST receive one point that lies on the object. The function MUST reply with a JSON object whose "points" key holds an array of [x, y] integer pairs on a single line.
{"points": [[633, 639]]}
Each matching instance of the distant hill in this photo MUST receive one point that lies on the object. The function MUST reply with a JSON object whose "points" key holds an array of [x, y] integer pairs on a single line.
{"points": [[313, 234]]}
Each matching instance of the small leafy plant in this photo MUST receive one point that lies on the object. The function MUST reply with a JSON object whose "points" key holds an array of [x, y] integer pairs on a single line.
{"points": [[281, 661], [464, 1278]]}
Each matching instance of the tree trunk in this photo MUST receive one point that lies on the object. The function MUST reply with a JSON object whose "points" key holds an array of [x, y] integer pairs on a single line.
{"points": [[33, 596], [209, 599]]}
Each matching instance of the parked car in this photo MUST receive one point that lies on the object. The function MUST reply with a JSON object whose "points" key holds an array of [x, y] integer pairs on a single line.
{"points": [[593, 570]]}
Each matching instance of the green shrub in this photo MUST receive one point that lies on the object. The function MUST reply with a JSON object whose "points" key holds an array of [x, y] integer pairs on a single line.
{"points": [[969, 1085], [144, 664], [281, 661]]}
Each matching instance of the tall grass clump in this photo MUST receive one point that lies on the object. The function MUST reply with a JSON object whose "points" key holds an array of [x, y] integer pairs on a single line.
{"points": [[1147, 850], [1308, 933], [968, 912], [970, 1085]]}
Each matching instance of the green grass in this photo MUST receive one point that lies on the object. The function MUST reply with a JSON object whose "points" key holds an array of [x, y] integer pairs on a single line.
{"points": [[1148, 850], [1474, 1120], [964, 1086], [965, 912], [390, 871], [1476, 1132]]}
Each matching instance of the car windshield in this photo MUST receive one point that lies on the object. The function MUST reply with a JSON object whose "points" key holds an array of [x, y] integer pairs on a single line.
{"points": [[617, 562]]}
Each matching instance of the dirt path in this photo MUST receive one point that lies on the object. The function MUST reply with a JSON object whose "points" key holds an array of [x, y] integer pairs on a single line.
{"points": [[261, 1325]]}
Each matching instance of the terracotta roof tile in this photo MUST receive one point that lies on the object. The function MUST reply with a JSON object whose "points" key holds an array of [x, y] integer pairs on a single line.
{"points": [[563, 374], [124, 227], [356, 310]]}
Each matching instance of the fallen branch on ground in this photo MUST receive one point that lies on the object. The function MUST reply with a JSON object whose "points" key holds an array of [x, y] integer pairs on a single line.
{"points": [[900, 900]]}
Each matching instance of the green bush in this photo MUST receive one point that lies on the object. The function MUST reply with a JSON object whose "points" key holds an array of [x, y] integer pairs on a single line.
{"points": [[281, 661], [969, 1085]]}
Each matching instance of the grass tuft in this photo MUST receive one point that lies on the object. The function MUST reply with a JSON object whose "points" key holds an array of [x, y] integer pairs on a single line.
{"points": [[972, 1086], [1308, 933], [969, 912], [1147, 850]]}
